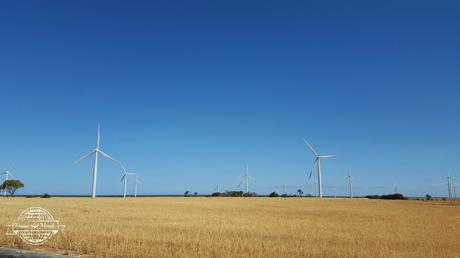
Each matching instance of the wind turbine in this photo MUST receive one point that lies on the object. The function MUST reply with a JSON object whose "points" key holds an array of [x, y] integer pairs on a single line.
{"points": [[125, 178], [246, 178], [7, 174], [350, 184], [449, 185], [96, 151], [135, 189], [317, 162]]}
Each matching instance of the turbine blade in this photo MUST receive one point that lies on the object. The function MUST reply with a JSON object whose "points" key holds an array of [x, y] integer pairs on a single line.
{"points": [[327, 156], [98, 135], [123, 177], [309, 176], [311, 148], [107, 156], [84, 157]]}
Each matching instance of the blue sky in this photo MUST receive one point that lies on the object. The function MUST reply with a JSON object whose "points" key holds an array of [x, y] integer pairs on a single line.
{"points": [[188, 92]]}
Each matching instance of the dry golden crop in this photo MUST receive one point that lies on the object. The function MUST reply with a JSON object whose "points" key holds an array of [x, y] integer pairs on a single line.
{"points": [[244, 227]]}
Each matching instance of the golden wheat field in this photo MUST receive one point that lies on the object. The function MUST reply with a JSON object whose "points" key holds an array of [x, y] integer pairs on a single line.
{"points": [[244, 227]]}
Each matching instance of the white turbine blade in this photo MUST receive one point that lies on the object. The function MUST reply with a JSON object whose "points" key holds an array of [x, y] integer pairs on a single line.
{"points": [[309, 176], [123, 177], [327, 156], [107, 156], [123, 167], [311, 148], [98, 135], [84, 157]]}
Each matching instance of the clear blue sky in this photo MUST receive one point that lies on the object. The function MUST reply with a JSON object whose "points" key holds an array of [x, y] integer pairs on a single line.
{"points": [[188, 92]]}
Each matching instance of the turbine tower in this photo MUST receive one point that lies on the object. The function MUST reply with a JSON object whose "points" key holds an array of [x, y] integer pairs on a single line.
{"points": [[317, 162], [7, 174], [96, 151], [125, 179], [246, 179], [350, 184], [135, 189], [449, 185]]}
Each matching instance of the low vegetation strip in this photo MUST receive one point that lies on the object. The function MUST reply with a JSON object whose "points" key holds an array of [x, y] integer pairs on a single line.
{"points": [[17, 253]]}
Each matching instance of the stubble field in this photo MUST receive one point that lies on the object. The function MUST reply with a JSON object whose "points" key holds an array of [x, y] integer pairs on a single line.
{"points": [[243, 227]]}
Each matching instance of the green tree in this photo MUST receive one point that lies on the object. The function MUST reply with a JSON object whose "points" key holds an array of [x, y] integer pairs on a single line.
{"points": [[186, 193], [299, 192], [11, 186]]}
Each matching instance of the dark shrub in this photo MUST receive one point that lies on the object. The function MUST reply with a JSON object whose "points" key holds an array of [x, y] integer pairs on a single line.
{"points": [[396, 196], [273, 194], [372, 196], [45, 195]]}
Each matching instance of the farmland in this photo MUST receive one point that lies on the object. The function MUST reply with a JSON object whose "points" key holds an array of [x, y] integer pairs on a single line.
{"points": [[243, 227]]}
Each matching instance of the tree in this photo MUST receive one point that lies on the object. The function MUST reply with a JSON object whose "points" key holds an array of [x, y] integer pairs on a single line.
{"points": [[11, 186], [299, 192], [273, 194], [196, 193], [186, 193], [428, 197]]}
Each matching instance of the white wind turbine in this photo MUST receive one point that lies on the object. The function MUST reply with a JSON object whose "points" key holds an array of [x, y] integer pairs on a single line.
{"points": [[96, 151], [317, 162], [7, 174], [125, 178], [246, 178], [350, 184], [135, 188]]}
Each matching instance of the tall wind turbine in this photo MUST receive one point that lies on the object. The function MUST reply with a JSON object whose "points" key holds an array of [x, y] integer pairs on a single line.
{"points": [[350, 184], [135, 188], [317, 162], [96, 151], [7, 174]]}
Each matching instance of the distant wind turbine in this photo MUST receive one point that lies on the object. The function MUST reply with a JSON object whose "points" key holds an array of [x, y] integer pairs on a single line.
{"points": [[125, 179], [135, 189], [7, 174], [96, 151], [246, 178], [449, 185], [350, 184], [317, 162]]}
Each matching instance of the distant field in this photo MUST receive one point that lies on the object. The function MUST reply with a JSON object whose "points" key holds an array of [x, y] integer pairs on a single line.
{"points": [[244, 227]]}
